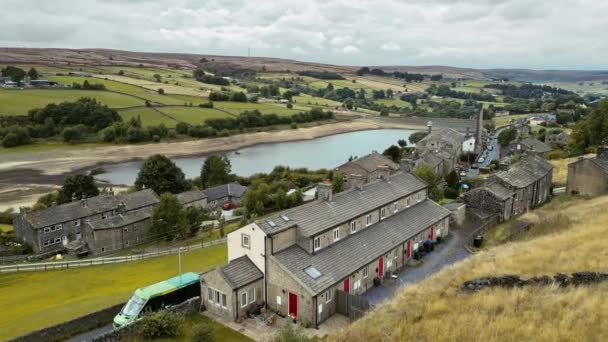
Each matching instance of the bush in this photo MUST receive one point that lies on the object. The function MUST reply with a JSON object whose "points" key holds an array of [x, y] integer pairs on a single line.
{"points": [[224, 133], [160, 324], [289, 105], [182, 128], [73, 134], [450, 193], [202, 333], [10, 140]]}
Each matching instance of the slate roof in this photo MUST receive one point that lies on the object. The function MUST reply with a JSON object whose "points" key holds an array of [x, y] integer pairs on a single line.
{"points": [[499, 191], [535, 145], [357, 250], [240, 272], [366, 164], [320, 215], [443, 134], [94, 205], [602, 163], [231, 189], [525, 172], [121, 220], [190, 196]]}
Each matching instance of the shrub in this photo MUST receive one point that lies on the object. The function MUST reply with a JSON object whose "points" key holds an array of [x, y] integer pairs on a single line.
{"points": [[156, 138], [10, 140], [224, 133], [73, 134], [289, 105], [208, 104], [202, 333], [182, 128], [161, 91], [160, 324]]}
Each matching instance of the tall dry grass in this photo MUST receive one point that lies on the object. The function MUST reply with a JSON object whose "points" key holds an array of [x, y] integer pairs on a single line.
{"points": [[437, 310], [560, 169]]}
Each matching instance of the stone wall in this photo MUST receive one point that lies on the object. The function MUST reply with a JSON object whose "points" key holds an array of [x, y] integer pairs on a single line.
{"points": [[560, 279], [73, 327], [586, 178]]}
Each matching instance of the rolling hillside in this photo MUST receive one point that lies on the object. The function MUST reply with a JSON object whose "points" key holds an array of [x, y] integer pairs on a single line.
{"points": [[437, 309]]}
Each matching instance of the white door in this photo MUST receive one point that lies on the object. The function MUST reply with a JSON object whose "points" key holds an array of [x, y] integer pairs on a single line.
{"points": [[78, 235], [65, 240]]}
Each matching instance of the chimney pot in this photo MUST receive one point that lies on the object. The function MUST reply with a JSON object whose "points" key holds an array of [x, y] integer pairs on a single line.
{"points": [[356, 181], [324, 191]]}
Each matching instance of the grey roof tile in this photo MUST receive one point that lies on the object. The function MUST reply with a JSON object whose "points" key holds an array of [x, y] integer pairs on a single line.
{"points": [[536, 145], [525, 172], [190, 196], [357, 250], [320, 215], [231, 189], [121, 220], [367, 163], [240, 272]]}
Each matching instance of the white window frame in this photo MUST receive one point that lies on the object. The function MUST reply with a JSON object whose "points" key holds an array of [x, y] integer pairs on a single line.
{"points": [[316, 243], [278, 300], [419, 196], [217, 297], [252, 297], [407, 202], [353, 227], [57, 240], [416, 246], [244, 302], [45, 243], [243, 238], [320, 309], [389, 263], [396, 207], [368, 220], [58, 226], [224, 300], [336, 234], [382, 213], [357, 285], [210, 295], [87, 221], [77, 223], [47, 229], [328, 296], [438, 232], [126, 229], [365, 272]]}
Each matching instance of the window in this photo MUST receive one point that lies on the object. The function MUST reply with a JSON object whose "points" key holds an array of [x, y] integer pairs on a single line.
{"points": [[223, 300], [416, 246], [396, 207], [328, 295], [317, 243], [103, 249], [77, 223], [217, 297], [365, 271], [438, 232], [336, 234], [210, 295], [382, 213], [407, 202], [252, 295], [58, 226], [127, 243], [243, 299], [245, 240], [389, 263], [368, 219], [395, 253], [419, 196], [57, 240], [103, 216], [353, 227], [312, 272], [87, 221], [126, 230], [47, 229], [278, 300], [320, 309], [357, 285], [45, 243]]}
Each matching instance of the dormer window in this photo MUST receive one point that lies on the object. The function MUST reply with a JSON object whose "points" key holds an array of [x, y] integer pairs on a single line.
{"points": [[336, 234], [317, 243], [382, 213], [396, 207], [353, 227], [419, 194], [368, 219]]}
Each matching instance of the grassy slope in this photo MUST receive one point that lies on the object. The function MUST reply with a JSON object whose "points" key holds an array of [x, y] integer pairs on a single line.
{"points": [[21, 101], [194, 115], [560, 171], [436, 308], [40, 299], [5, 227], [148, 116]]}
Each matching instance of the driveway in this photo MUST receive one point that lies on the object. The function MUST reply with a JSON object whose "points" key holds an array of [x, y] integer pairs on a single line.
{"points": [[444, 255]]}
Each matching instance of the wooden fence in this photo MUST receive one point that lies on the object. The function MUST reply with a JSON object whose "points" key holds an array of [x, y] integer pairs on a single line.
{"points": [[47, 266]]}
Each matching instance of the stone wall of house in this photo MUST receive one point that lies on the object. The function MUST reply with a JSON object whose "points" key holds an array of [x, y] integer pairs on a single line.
{"points": [[280, 284], [485, 200], [586, 178], [283, 240], [214, 280], [258, 287], [114, 239]]}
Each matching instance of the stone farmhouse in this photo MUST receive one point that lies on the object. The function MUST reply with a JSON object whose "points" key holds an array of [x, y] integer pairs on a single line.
{"points": [[528, 145], [440, 150], [96, 225], [560, 139], [589, 176], [527, 184], [347, 242], [218, 195], [367, 168]]}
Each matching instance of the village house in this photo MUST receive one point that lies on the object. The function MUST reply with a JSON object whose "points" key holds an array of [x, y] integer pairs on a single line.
{"points": [[440, 150], [369, 168], [527, 184], [218, 195], [528, 145], [95, 225], [589, 176], [193, 198], [339, 244], [560, 139]]}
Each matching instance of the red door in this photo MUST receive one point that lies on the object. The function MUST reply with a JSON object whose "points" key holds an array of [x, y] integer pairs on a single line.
{"points": [[293, 305], [433, 233], [409, 249], [347, 285], [381, 267]]}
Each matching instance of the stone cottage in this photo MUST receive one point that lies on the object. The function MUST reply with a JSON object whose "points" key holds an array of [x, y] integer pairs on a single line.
{"points": [[589, 176], [527, 184], [342, 242], [218, 195], [193, 198], [366, 169], [560, 139], [528, 145], [440, 150]]}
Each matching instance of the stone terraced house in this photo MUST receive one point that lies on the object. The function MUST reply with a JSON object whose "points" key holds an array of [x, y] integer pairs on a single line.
{"points": [[527, 184], [218, 195], [310, 254], [440, 150], [589, 176], [366, 169], [95, 225]]}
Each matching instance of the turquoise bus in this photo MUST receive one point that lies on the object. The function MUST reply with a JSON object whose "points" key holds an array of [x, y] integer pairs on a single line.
{"points": [[159, 296]]}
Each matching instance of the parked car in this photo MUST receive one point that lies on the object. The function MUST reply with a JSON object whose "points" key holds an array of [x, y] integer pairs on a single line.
{"points": [[463, 173], [490, 148], [475, 166], [481, 160], [228, 206]]}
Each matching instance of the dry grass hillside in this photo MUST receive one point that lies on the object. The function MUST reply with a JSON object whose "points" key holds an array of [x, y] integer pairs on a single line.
{"points": [[436, 309], [560, 171]]}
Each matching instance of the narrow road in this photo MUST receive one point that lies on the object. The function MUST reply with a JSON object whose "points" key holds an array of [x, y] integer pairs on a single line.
{"points": [[445, 254], [90, 335]]}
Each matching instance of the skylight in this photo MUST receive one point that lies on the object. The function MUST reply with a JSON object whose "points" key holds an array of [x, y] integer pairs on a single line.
{"points": [[285, 218], [272, 224], [312, 272]]}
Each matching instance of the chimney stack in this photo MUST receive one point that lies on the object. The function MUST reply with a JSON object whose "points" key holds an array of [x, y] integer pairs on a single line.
{"points": [[383, 172], [356, 181], [602, 152], [84, 203], [407, 165], [122, 208], [429, 125], [324, 191]]}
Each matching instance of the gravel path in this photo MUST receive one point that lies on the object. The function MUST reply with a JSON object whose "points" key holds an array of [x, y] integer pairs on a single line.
{"points": [[445, 254]]}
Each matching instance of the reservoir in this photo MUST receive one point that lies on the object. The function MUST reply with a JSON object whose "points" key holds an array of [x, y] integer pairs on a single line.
{"points": [[325, 152]]}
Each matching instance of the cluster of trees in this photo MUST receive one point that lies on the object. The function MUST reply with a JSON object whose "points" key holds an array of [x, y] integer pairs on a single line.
{"points": [[227, 69], [132, 131], [324, 75], [408, 77], [527, 91], [444, 90], [455, 109], [435, 190], [228, 96], [263, 197], [506, 136], [16, 74], [88, 86], [593, 130], [201, 76], [253, 118], [381, 94]]}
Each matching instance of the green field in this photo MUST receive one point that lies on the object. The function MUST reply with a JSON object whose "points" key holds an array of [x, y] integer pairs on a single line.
{"points": [[148, 116], [595, 86], [37, 299], [264, 108], [394, 102], [305, 99], [194, 115], [19, 102], [6, 227]]}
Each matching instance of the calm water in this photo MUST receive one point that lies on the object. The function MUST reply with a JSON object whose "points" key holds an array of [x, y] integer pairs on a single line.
{"points": [[325, 152]]}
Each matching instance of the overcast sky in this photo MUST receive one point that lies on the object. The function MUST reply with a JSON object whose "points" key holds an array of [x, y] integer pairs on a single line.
{"points": [[557, 34]]}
